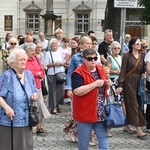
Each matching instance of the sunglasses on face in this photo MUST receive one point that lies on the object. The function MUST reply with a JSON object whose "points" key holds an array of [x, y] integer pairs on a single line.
{"points": [[138, 43], [145, 47], [66, 41], [91, 58], [13, 43], [94, 43]]}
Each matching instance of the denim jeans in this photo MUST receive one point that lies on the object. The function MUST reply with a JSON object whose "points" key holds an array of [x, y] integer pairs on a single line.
{"points": [[84, 131]]}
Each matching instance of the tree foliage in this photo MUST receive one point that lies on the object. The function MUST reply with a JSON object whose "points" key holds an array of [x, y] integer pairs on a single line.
{"points": [[145, 11]]}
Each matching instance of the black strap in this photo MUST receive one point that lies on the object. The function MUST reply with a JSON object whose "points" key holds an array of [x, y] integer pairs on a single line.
{"points": [[22, 86], [52, 60]]}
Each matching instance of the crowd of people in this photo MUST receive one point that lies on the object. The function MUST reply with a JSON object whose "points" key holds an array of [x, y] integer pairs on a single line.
{"points": [[90, 68]]}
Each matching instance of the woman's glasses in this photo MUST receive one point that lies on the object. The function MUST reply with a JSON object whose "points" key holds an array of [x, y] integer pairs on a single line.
{"points": [[66, 41], [145, 47], [91, 58], [116, 48], [13, 43]]}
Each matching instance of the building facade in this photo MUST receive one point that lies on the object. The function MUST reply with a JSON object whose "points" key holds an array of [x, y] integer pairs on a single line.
{"points": [[74, 17]]}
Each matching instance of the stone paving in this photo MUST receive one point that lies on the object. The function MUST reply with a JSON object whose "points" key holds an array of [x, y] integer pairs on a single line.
{"points": [[56, 139]]}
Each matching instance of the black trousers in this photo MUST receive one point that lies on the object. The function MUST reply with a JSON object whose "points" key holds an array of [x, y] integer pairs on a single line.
{"points": [[148, 107]]}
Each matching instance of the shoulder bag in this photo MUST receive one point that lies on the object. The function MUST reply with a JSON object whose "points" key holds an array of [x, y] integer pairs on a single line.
{"points": [[60, 76], [115, 116], [33, 117]]}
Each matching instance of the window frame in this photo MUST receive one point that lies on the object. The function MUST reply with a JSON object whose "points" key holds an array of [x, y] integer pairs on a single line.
{"points": [[34, 22]]}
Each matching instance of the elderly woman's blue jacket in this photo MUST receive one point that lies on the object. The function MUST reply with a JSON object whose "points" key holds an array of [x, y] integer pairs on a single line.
{"points": [[12, 93]]}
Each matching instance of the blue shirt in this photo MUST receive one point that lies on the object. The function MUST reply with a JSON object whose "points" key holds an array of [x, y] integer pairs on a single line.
{"points": [[126, 47], [76, 61], [14, 96]]}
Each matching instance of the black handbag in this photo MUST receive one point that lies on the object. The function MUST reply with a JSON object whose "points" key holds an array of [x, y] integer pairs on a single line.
{"points": [[33, 117], [60, 77], [43, 88], [115, 116]]}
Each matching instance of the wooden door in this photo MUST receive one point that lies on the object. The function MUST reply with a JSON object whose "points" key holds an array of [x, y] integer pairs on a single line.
{"points": [[134, 31]]}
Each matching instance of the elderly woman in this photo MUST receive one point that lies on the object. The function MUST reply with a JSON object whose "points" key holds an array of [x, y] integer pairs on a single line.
{"points": [[14, 105], [55, 63], [34, 65], [13, 43], [89, 85]]}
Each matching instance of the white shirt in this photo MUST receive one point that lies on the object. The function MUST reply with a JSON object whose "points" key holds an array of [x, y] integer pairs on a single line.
{"points": [[65, 52], [147, 59], [57, 57], [44, 43]]}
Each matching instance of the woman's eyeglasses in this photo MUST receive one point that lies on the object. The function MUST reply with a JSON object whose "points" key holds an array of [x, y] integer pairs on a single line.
{"points": [[116, 48], [91, 58], [66, 41], [13, 43], [145, 47]]}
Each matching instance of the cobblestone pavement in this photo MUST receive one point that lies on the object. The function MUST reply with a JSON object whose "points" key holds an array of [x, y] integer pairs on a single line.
{"points": [[55, 139]]}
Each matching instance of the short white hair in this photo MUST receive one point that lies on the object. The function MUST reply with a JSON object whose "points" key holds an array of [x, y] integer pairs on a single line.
{"points": [[52, 41], [28, 46], [13, 54], [113, 44], [13, 40]]}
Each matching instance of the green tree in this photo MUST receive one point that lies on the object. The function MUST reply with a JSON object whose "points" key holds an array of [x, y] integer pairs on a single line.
{"points": [[145, 11]]}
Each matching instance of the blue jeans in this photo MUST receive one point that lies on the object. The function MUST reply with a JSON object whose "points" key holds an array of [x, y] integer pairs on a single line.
{"points": [[84, 132]]}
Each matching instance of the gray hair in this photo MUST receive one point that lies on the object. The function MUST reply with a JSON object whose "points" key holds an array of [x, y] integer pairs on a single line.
{"points": [[113, 44], [29, 46], [107, 31], [37, 42], [52, 41], [13, 55], [87, 52]]}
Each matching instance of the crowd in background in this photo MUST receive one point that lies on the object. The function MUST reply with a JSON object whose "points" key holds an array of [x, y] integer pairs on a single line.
{"points": [[88, 66]]}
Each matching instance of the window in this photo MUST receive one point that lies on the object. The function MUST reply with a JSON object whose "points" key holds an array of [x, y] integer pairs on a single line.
{"points": [[33, 17], [82, 23], [33, 21], [82, 15]]}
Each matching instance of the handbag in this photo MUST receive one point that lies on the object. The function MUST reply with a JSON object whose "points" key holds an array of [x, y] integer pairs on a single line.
{"points": [[60, 76], [43, 88], [143, 93], [33, 117], [115, 116]]}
